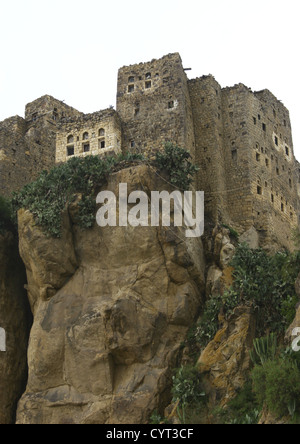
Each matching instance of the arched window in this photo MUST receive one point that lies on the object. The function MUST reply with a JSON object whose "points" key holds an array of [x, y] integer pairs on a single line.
{"points": [[101, 132], [70, 139], [85, 136]]}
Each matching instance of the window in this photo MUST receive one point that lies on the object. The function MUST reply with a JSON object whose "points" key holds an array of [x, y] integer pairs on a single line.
{"points": [[132, 144], [258, 157], [34, 117], [272, 198], [234, 155], [130, 88], [137, 111], [86, 147], [101, 132], [85, 136], [267, 162], [259, 190], [148, 76], [148, 84], [131, 79], [102, 144], [277, 171], [282, 207], [70, 139], [254, 120], [171, 104], [276, 140], [290, 183], [70, 151], [287, 151], [264, 127]]}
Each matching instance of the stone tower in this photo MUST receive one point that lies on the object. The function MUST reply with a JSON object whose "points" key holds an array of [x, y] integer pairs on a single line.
{"points": [[154, 105]]}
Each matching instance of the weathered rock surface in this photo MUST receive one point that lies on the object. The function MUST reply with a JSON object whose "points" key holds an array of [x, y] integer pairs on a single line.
{"points": [[111, 308], [225, 362], [15, 321]]}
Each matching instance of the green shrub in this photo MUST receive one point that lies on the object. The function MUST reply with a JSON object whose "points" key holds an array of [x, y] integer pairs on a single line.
{"points": [[6, 215], [277, 384], [176, 162], [47, 197], [264, 349], [187, 390]]}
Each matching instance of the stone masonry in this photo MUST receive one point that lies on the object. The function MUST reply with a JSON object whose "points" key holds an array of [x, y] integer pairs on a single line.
{"points": [[241, 140]]}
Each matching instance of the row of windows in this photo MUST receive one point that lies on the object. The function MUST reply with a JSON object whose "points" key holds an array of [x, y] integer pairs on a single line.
{"points": [[85, 136], [85, 147], [147, 78]]}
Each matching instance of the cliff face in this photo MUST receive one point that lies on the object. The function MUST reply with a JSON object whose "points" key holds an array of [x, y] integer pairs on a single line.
{"points": [[15, 320], [111, 309]]}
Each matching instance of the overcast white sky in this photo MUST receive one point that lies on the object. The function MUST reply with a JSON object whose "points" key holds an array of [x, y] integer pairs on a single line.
{"points": [[72, 49]]}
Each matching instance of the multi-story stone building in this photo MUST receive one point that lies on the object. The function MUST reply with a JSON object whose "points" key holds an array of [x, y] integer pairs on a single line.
{"points": [[241, 140]]}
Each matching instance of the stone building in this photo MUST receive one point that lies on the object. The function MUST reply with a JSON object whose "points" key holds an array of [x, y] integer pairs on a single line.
{"points": [[241, 140], [27, 146]]}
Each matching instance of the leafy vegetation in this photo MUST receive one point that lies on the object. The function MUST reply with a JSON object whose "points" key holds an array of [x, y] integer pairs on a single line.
{"points": [[6, 215], [264, 349], [47, 197], [187, 391], [266, 281], [276, 384], [176, 162]]}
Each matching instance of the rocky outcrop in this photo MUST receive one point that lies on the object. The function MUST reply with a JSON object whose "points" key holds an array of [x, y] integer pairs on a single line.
{"points": [[15, 321], [225, 362], [111, 307]]}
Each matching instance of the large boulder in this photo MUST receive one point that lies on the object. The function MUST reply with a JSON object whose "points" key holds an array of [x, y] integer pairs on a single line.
{"points": [[225, 362], [111, 308]]}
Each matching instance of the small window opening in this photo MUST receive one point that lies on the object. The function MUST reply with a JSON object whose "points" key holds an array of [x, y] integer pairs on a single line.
{"points": [[254, 120], [132, 144], [258, 157], [171, 104], [148, 76], [34, 117], [102, 144], [282, 207], [148, 84], [272, 198], [130, 88], [85, 136], [267, 162], [137, 111], [264, 127], [287, 151], [70, 139], [70, 151], [276, 140], [290, 183], [86, 147], [131, 79], [234, 155], [101, 132], [259, 190], [277, 171]]}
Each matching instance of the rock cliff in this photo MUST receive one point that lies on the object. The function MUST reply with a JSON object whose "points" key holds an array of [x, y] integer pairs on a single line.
{"points": [[15, 320], [111, 308]]}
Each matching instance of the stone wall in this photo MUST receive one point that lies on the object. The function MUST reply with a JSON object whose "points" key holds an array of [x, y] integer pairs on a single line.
{"points": [[27, 146], [96, 134], [154, 105]]}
